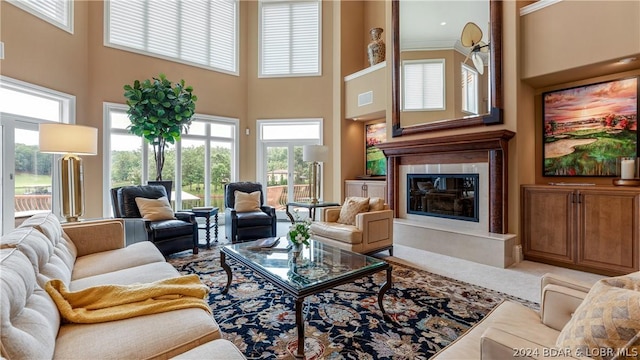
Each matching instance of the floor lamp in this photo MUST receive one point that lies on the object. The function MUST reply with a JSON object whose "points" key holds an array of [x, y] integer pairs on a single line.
{"points": [[315, 154], [71, 141]]}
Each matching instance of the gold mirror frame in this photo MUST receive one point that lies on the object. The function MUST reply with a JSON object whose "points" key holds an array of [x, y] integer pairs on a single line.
{"points": [[495, 72]]}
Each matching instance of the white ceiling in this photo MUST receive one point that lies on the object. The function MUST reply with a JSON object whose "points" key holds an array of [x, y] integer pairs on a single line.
{"points": [[420, 22]]}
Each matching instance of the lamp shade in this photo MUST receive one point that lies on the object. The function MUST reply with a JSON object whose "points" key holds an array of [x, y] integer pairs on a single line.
{"points": [[59, 138], [318, 153]]}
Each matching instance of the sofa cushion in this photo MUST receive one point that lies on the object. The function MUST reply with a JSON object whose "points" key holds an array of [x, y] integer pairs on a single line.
{"points": [[29, 319], [138, 274], [247, 202], [48, 224], [344, 233], [509, 317], [41, 253], [220, 349], [157, 336], [254, 218], [140, 253], [608, 318], [352, 206], [155, 209]]}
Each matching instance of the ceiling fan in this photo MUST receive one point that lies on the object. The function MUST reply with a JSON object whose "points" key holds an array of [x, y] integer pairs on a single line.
{"points": [[472, 37]]}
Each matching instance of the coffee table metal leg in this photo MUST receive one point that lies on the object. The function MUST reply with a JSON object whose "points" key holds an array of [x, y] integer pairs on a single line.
{"points": [[300, 326], [383, 290], [286, 210], [227, 269]]}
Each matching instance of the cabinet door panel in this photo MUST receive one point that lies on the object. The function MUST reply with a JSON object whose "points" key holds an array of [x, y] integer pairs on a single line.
{"points": [[547, 224], [608, 230], [353, 188], [377, 189]]}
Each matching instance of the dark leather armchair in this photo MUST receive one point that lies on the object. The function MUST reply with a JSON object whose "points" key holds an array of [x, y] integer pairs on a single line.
{"points": [[247, 225], [169, 236]]}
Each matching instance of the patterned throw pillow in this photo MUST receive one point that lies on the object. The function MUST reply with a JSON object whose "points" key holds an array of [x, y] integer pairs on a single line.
{"points": [[352, 206], [376, 204], [247, 202], [606, 325], [155, 209]]}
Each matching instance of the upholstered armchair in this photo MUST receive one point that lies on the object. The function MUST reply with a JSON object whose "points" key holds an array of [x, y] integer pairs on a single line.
{"points": [[360, 225], [170, 232], [246, 215]]}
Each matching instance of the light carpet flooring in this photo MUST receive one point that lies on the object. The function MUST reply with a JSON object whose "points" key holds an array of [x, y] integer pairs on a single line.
{"points": [[521, 280]]}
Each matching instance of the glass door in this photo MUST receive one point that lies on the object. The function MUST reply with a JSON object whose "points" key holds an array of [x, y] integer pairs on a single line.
{"points": [[287, 176]]}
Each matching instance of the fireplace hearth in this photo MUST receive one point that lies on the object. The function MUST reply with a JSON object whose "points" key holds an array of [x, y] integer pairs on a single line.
{"points": [[452, 196]]}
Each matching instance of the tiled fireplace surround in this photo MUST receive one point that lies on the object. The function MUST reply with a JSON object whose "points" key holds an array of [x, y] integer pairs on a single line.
{"points": [[484, 153]]}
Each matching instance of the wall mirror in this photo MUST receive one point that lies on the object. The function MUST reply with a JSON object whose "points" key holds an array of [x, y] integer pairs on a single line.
{"points": [[426, 45]]}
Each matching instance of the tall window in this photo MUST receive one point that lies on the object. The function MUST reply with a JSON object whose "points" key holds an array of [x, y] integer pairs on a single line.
{"points": [[469, 90], [29, 178], [56, 12], [204, 159], [290, 38], [423, 84], [196, 32]]}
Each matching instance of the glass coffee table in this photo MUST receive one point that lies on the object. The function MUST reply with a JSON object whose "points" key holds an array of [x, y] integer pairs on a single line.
{"points": [[313, 269]]}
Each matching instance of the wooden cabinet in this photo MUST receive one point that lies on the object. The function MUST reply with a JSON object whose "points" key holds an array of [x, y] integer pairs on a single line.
{"points": [[366, 188], [595, 228]]}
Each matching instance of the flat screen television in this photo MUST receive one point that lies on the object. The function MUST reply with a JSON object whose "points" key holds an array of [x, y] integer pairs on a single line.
{"points": [[586, 128]]}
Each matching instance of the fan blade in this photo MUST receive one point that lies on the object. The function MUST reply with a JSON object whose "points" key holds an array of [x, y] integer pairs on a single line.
{"points": [[471, 35], [477, 62]]}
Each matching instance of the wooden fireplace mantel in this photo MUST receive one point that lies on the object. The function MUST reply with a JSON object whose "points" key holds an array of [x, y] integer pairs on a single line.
{"points": [[488, 146]]}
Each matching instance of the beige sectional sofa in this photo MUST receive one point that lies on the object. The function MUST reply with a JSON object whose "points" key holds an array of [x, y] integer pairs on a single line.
{"points": [[593, 315], [82, 255]]}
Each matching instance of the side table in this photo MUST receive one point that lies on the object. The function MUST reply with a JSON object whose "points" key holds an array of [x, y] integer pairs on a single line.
{"points": [[309, 205], [206, 213]]}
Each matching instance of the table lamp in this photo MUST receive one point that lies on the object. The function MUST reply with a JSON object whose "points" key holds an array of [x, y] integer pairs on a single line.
{"points": [[71, 141], [315, 154]]}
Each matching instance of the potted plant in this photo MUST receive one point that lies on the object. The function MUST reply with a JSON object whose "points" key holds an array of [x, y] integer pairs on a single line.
{"points": [[159, 112]]}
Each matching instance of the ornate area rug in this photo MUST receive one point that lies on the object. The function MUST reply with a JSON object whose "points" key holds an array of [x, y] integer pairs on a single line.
{"points": [[429, 312]]}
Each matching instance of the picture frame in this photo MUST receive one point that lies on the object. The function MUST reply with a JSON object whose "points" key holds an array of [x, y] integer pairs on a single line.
{"points": [[585, 129], [376, 162]]}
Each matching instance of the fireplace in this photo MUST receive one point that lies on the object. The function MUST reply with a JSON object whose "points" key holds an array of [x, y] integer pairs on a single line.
{"points": [[483, 237], [452, 196]]}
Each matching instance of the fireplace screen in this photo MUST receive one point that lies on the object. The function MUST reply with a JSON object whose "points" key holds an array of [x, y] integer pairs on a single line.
{"points": [[443, 195]]}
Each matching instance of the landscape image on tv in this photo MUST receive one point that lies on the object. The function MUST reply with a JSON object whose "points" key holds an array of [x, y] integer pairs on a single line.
{"points": [[586, 128]]}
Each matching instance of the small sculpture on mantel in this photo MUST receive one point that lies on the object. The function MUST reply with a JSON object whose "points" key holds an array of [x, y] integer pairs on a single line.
{"points": [[376, 48]]}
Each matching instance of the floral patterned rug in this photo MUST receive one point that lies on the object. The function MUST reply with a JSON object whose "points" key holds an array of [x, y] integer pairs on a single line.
{"points": [[429, 312]]}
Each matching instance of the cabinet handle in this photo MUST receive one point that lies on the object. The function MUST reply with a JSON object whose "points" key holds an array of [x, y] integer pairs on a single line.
{"points": [[579, 198]]}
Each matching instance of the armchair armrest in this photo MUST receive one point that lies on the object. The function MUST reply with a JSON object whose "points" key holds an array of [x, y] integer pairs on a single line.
{"points": [[185, 216], [558, 303], [363, 218], [330, 214], [96, 236], [563, 281], [498, 344], [268, 209]]}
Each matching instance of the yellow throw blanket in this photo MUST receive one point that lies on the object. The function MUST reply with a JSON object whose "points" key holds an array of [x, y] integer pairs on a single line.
{"points": [[114, 302]]}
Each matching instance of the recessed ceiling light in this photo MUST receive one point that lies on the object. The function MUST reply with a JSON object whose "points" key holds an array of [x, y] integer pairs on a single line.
{"points": [[626, 60], [443, 23]]}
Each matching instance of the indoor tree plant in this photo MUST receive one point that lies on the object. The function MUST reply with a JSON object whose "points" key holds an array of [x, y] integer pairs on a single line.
{"points": [[159, 112]]}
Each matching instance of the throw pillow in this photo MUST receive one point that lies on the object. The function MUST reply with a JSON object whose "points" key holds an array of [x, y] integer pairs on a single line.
{"points": [[376, 204], [352, 206], [607, 322], [247, 202], [155, 209]]}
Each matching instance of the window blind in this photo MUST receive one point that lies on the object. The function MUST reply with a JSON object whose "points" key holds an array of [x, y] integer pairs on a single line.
{"points": [[423, 85], [290, 38], [56, 12], [196, 32]]}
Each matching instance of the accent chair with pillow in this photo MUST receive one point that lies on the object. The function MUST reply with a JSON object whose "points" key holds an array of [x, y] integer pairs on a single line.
{"points": [[362, 225], [246, 215], [575, 321], [170, 232]]}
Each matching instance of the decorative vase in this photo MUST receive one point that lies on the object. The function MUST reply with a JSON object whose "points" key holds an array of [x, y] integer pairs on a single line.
{"points": [[376, 48], [296, 248]]}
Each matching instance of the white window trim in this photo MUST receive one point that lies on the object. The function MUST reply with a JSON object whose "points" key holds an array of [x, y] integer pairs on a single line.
{"points": [[444, 83], [261, 75], [67, 101], [107, 107], [477, 89], [107, 43], [68, 27]]}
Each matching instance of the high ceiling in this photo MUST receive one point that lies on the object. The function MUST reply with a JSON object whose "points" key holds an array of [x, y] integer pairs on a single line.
{"points": [[421, 22]]}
